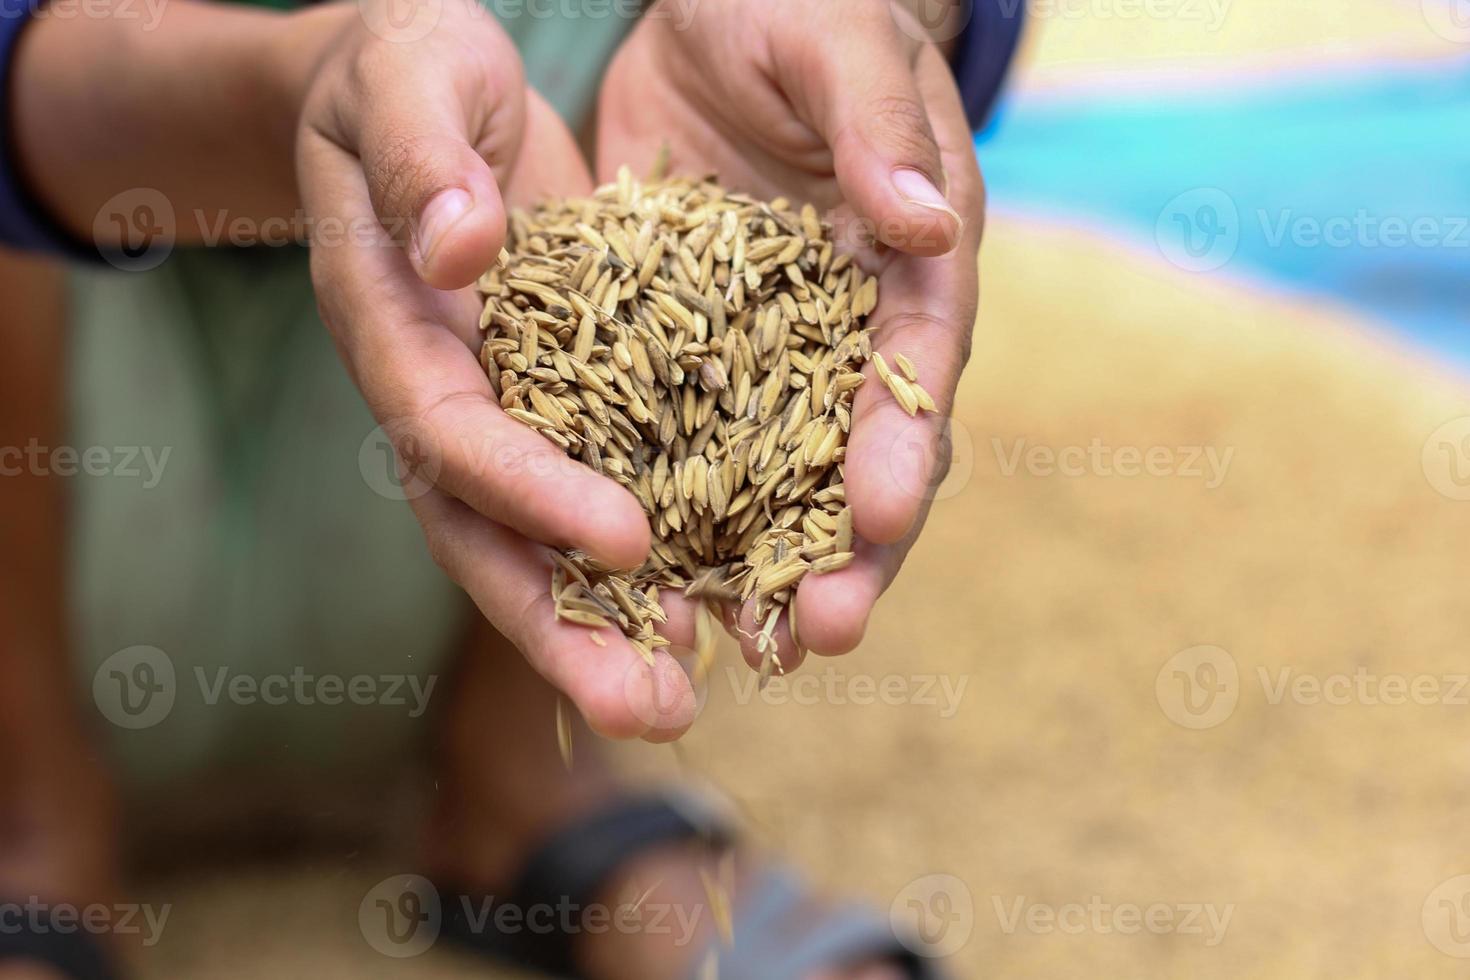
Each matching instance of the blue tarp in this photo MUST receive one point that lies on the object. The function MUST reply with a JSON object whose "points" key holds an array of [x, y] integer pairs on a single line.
{"points": [[1356, 185]]}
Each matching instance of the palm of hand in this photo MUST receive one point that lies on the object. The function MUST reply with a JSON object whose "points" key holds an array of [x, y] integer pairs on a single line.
{"points": [[757, 125]]}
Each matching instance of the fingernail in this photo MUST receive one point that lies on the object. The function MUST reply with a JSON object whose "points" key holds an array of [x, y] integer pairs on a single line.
{"points": [[440, 215], [915, 188]]}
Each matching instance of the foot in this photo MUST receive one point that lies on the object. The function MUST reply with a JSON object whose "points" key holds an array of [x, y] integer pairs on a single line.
{"points": [[56, 831], [503, 787]]}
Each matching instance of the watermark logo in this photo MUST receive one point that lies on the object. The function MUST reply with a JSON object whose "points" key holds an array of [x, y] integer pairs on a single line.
{"points": [[932, 457], [1199, 231], [933, 20], [565, 917], [1450, 19], [1199, 687], [138, 225], [1209, 13], [934, 916], [138, 688], [401, 21], [1103, 918], [644, 687], [1446, 459], [1446, 917], [404, 915], [401, 916], [401, 459], [135, 688]]}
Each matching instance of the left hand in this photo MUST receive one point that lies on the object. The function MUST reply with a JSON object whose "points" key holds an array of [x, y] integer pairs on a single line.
{"points": [[839, 103]]}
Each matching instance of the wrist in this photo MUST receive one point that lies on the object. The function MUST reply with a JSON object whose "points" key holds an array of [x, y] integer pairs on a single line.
{"points": [[289, 65], [297, 50], [202, 109]]}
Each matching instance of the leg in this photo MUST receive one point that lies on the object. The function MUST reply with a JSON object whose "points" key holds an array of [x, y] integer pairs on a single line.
{"points": [[55, 808], [502, 787]]}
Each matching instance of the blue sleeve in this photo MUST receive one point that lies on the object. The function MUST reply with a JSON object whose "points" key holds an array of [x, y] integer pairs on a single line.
{"points": [[983, 52], [23, 223]]}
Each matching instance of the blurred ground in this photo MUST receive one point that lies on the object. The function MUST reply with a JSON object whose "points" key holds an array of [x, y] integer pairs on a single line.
{"points": [[1058, 600]]}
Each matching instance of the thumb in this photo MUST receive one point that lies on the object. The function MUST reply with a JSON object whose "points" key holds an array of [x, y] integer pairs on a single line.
{"points": [[439, 199], [430, 185], [867, 104]]}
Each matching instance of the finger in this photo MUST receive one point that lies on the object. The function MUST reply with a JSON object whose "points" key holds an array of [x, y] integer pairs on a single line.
{"points": [[429, 120], [787, 655], [681, 611], [926, 312], [432, 396], [832, 610], [683, 635], [863, 97], [615, 689]]}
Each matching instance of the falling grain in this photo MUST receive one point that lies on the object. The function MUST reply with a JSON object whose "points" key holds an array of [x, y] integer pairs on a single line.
{"points": [[564, 732]]}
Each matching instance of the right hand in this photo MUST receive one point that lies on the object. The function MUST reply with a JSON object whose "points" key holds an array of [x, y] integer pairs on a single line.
{"points": [[840, 103], [416, 147]]}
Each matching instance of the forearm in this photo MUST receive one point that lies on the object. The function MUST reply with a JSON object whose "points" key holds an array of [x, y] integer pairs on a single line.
{"points": [[202, 107]]}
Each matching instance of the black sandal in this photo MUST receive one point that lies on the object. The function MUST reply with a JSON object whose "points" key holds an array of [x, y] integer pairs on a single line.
{"points": [[773, 939]]}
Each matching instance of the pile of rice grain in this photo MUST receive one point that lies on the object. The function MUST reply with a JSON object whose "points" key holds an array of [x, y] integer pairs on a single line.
{"points": [[702, 348]]}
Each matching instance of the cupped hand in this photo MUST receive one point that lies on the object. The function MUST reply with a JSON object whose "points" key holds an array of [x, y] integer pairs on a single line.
{"points": [[842, 104], [409, 150]]}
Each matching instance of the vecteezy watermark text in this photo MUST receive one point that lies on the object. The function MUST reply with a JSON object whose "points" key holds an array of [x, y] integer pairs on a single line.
{"points": [[408, 21], [137, 688], [127, 462], [1210, 13], [1363, 686], [36, 917], [150, 12], [302, 688], [1098, 917], [138, 228], [1202, 229], [830, 686], [1097, 459], [1201, 686], [402, 917]]}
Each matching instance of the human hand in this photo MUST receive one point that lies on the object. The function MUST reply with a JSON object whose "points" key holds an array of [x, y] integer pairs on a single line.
{"points": [[836, 102], [416, 148]]}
